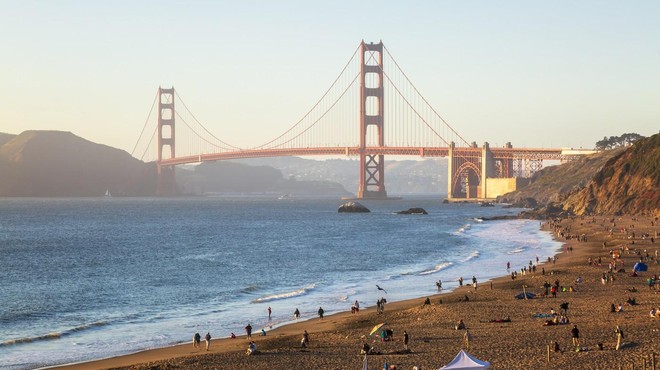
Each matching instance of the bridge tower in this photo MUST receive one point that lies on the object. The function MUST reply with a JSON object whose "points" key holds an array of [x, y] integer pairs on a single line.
{"points": [[372, 166], [166, 136]]}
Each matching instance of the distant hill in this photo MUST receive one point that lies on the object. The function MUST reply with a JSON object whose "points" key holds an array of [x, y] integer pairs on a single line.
{"points": [[401, 176], [620, 181], [231, 177], [61, 164], [5, 138]]}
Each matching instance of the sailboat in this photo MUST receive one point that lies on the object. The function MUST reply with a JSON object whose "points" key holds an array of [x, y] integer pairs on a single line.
{"points": [[107, 193]]}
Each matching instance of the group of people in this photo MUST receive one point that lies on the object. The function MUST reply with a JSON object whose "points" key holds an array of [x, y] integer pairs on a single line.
{"points": [[380, 305], [386, 335], [197, 340]]}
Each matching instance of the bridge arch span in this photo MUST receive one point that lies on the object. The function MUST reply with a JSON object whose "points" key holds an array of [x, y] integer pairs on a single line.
{"points": [[466, 180]]}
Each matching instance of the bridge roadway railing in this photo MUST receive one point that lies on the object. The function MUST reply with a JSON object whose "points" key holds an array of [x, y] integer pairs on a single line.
{"points": [[498, 153]]}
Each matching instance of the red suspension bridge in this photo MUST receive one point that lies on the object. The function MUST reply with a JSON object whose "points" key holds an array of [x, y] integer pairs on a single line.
{"points": [[371, 110]]}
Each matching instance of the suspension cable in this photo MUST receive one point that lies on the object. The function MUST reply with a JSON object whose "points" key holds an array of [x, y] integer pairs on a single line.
{"points": [[145, 124], [201, 137], [423, 99], [205, 129], [318, 119], [315, 105], [149, 144]]}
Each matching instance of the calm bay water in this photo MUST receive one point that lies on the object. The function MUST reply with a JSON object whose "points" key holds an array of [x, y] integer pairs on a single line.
{"points": [[90, 278]]}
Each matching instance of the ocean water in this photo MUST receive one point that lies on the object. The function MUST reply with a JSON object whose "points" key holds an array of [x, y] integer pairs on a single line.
{"points": [[85, 279]]}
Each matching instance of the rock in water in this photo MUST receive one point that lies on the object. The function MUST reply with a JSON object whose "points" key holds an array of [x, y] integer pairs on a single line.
{"points": [[413, 211], [353, 207]]}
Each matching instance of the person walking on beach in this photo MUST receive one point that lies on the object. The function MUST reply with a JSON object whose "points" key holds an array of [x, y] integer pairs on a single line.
{"points": [[321, 312], [269, 312], [406, 339], [296, 314], [248, 330], [575, 332], [197, 339], [619, 337], [467, 338], [207, 338]]}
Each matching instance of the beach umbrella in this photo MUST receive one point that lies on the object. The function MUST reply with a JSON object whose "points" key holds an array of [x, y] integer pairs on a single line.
{"points": [[375, 328]]}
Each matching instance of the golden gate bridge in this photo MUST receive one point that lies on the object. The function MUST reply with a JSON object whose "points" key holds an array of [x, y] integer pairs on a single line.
{"points": [[372, 109]]}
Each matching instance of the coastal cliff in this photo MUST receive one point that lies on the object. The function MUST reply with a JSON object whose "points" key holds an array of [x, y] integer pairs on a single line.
{"points": [[629, 183], [619, 181]]}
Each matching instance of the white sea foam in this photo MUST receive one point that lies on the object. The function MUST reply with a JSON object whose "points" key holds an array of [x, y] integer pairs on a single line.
{"points": [[516, 251], [472, 255], [465, 228], [437, 268], [286, 295]]}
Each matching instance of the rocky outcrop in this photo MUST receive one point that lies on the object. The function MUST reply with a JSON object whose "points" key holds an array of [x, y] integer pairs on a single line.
{"points": [[629, 183], [353, 207], [413, 211]]}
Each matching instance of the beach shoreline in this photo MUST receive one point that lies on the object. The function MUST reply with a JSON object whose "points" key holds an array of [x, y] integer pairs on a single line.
{"points": [[336, 339]]}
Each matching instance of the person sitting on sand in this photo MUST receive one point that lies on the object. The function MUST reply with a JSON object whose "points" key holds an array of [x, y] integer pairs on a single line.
{"points": [[427, 301], [460, 325], [619, 308], [252, 349], [305, 339], [366, 349]]}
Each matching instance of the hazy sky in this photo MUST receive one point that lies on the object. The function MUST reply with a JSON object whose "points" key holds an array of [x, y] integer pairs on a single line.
{"points": [[538, 74]]}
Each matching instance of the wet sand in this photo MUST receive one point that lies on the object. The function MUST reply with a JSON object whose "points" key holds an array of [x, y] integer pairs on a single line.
{"points": [[336, 340]]}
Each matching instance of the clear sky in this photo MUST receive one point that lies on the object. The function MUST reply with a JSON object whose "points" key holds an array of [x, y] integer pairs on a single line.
{"points": [[538, 74]]}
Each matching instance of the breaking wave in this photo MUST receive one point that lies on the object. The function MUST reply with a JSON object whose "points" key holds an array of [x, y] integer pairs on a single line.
{"points": [[437, 268], [52, 336], [472, 255], [295, 293]]}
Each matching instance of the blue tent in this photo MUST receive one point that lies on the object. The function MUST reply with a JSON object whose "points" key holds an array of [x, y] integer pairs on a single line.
{"points": [[639, 266], [528, 294]]}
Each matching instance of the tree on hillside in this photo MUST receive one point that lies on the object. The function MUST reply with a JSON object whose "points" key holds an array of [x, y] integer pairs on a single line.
{"points": [[618, 141]]}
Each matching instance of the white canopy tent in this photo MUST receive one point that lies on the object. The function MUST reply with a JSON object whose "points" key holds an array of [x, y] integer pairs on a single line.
{"points": [[466, 362]]}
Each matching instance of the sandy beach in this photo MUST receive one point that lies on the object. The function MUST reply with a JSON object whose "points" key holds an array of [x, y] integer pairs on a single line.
{"points": [[522, 343]]}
